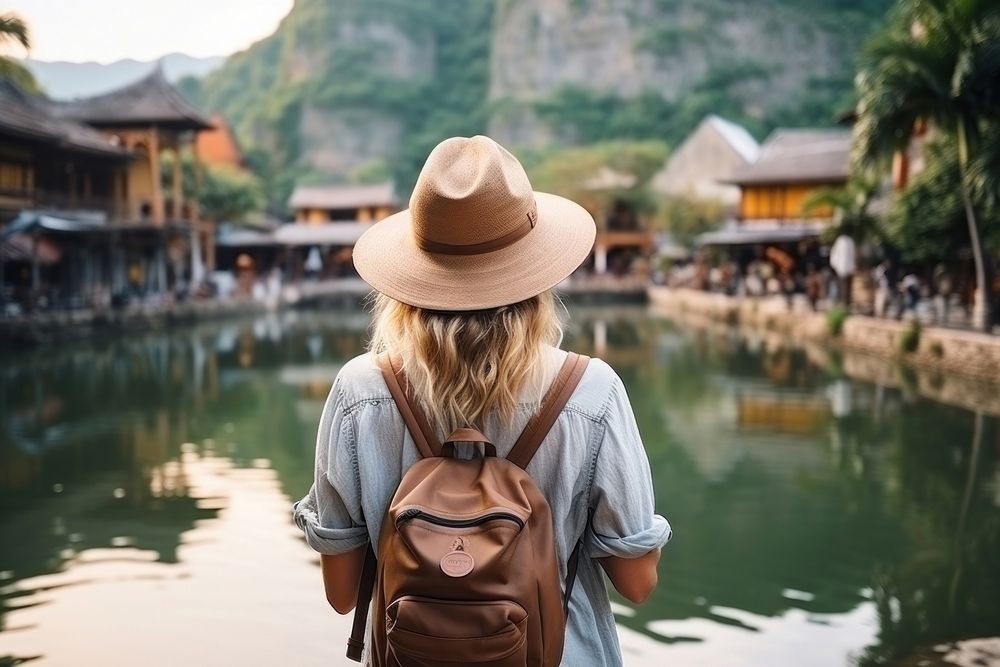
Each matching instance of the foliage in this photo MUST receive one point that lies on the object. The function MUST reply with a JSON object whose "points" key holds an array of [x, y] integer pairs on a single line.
{"points": [[15, 30], [687, 217], [909, 340], [937, 63], [926, 221], [225, 194], [266, 90], [850, 204], [835, 319], [327, 56], [571, 172]]}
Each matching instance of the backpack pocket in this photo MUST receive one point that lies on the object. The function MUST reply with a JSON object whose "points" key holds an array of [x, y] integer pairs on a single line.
{"points": [[423, 632]]}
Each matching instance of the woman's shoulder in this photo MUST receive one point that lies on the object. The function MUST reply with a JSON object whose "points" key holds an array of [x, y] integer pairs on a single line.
{"points": [[598, 388], [360, 379]]}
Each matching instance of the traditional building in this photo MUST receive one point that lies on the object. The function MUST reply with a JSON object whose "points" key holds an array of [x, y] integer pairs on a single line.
{"points": [[774, 190], [71, 176], [148, 117], [338, 203], [83, 179], [329, 219], [218, 146], [707, 157]]}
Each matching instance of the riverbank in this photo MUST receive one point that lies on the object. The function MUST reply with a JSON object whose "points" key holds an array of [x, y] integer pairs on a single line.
{"points": [[64, 326], [959, 368]]}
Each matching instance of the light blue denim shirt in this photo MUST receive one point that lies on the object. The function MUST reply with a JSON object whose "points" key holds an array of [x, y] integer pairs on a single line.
{"points": [[592, 458]]}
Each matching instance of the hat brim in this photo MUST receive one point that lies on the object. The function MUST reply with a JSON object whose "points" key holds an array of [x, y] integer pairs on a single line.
{"points": [[388, 258]]}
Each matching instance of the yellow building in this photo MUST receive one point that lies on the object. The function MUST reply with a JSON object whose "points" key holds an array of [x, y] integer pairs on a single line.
{"points": [[793, 165]]}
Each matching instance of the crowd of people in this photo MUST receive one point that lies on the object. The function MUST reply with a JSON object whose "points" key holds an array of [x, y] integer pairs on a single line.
{"points": [[939, 294]]}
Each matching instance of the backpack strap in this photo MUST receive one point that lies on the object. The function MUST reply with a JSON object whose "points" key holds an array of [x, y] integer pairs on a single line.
{"points": [[553, 402], [366, 588], [427, 444], [416, 422]]}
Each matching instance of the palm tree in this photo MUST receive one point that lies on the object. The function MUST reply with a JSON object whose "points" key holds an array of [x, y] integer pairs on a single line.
{"points": [[851, 205], [938, 62], [15, 30]]}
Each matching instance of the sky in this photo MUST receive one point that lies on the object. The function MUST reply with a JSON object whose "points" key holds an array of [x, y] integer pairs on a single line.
{"points": [[108, 30]]}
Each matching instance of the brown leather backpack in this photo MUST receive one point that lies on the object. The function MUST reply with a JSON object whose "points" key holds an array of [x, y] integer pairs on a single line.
{"points": [[466, 572]]}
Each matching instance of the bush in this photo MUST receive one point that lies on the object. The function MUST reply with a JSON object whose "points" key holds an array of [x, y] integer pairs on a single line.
{"points": [[910, 338], [835, 318]]}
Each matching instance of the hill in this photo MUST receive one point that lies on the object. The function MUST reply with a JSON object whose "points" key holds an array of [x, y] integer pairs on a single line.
{"points": [[361, 89], [66, 80]]}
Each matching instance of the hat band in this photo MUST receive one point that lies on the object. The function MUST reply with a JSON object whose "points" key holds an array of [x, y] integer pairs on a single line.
{"points": [[507, 239]]}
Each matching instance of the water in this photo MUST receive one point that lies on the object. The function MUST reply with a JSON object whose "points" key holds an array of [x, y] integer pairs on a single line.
{"points": [[145, 485]]}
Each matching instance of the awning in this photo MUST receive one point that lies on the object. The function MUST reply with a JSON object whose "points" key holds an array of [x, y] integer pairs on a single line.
{"points": [[245, 238], [329, 233], [82, 222], [762, 232]]}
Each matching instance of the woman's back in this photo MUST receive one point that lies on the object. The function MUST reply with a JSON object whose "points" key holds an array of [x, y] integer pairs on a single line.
{"points": [[591, 459], [464, 281]]}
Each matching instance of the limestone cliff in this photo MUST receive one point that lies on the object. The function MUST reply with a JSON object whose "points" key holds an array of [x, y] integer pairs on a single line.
{"points": [[355, 89]]}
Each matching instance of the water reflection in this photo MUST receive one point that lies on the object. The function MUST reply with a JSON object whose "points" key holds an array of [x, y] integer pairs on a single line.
{"points": [[815, 515]]}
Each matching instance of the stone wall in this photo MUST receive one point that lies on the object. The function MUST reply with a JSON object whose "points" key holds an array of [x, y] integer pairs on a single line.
{"points": [[966, 353]]}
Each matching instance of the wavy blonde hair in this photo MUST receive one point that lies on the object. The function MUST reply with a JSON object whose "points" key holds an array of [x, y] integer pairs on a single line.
{"points": [[465, 365]]}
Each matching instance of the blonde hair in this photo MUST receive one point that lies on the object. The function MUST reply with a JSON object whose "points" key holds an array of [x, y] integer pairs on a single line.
{"points": [[463, 366]]}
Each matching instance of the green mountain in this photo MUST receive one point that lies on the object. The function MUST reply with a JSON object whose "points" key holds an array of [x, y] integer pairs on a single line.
{"points": [[359, 90]]}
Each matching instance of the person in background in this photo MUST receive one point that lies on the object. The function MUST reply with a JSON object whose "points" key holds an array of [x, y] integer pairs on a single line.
{"points": [[814, 286], [909, 288], [943, 287], [883, 287]]}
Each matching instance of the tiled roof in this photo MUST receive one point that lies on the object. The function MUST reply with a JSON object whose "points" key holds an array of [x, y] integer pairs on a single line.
{"points": [[30, 116], [343, 196], [799, 155], [150, 100]]}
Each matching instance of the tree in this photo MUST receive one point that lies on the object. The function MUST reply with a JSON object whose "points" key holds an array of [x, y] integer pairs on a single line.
{"points": [[224, 194], [685, 218], [851, 204], [598, 175], [938, 62], [15, 30], [927, 220]]}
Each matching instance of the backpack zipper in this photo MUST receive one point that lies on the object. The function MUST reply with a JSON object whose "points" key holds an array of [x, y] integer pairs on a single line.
{"points": [[412, 513]]}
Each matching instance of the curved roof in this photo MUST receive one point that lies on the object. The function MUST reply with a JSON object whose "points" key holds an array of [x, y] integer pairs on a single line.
{"points": [[30, 117], [799, 156], [152, 100], [343, 196]]}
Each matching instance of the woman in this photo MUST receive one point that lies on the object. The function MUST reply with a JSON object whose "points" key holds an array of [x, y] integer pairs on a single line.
{"points": [[464, 278]]}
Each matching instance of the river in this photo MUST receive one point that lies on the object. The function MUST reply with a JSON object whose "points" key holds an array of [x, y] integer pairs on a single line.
{"points": [[145, 486]]}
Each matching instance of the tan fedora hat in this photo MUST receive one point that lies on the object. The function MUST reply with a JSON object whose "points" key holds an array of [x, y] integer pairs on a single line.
{"points": [[476, 235]]}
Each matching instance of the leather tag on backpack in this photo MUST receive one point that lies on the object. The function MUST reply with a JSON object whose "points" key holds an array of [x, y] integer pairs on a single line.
{"points": [[457, 563]]}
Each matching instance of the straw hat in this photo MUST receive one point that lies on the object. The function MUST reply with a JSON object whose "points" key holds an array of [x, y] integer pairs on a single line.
{"points": [[475, 236]]}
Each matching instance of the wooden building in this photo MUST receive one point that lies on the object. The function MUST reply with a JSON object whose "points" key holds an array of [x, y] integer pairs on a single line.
{"points": [[82, 182], [318, 243], [793, 164], [339, 203]]}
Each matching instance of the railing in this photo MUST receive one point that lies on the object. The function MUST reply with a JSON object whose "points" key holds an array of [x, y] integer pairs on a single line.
{"points": [[61, 201]]}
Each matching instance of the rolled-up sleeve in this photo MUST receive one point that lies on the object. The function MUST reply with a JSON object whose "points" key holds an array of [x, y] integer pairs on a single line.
{"points": [[330, 515], [623, 523]]}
